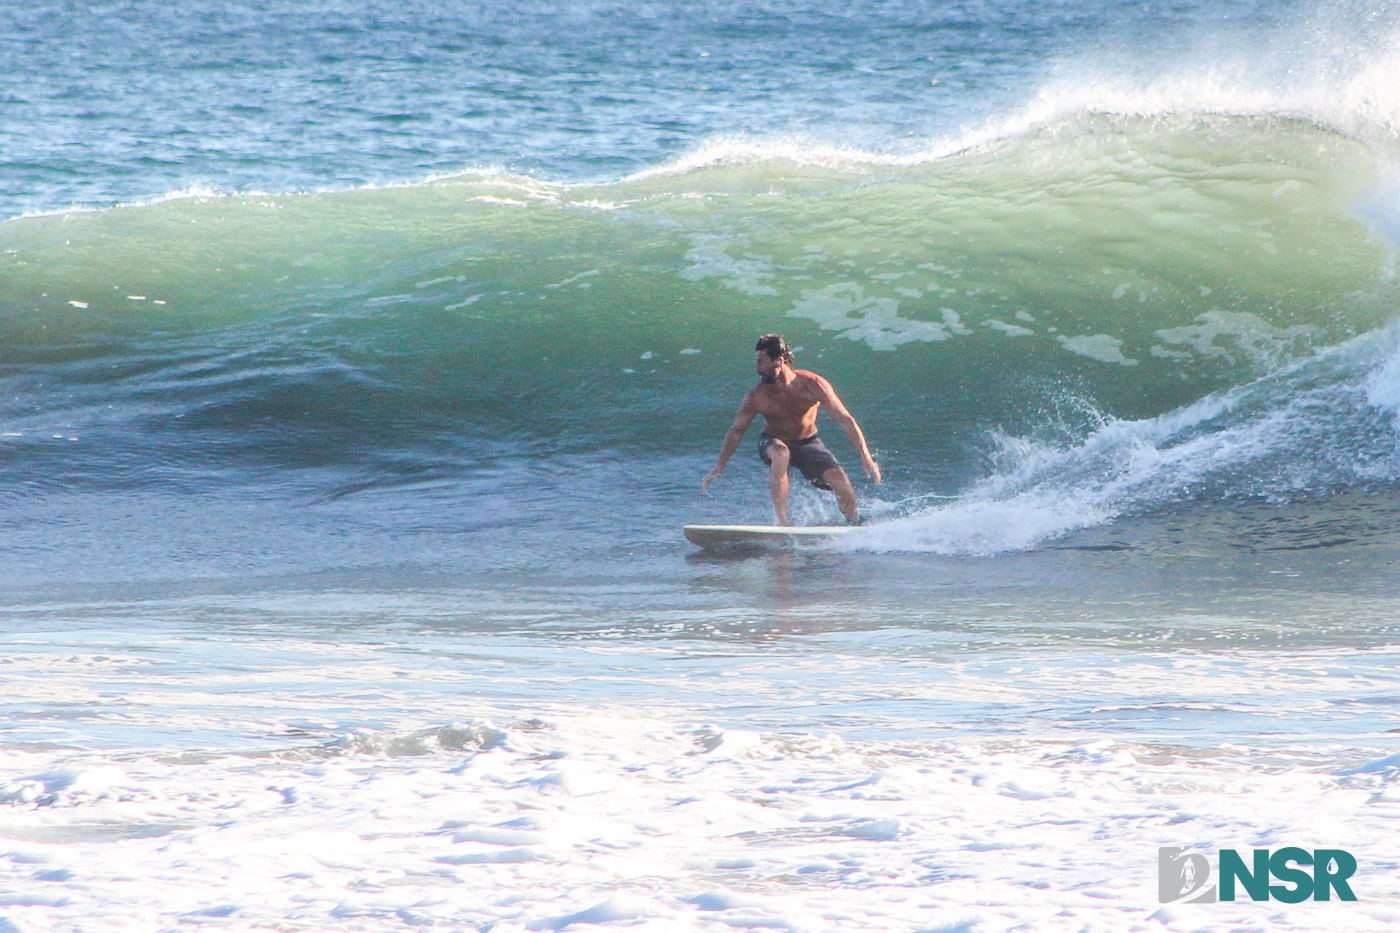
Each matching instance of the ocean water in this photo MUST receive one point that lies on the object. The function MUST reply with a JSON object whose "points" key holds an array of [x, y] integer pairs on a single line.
{"points": [[360, 362]]}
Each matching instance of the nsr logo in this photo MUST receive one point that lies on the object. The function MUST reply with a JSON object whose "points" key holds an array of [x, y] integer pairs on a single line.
{"points": [[1182, 875]]}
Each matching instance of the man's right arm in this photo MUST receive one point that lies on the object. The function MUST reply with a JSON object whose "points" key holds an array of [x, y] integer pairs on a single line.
{"points": [[747, 412]]}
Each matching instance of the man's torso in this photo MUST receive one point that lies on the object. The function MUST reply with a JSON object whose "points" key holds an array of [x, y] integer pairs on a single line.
{"points": [[790, 411]]}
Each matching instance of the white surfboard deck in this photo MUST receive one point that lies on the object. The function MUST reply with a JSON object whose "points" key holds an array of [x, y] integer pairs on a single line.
{"points": [[710, 536]]}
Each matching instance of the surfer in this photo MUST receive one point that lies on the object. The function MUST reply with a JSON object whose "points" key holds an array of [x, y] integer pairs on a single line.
{"points": [[788, 399]]}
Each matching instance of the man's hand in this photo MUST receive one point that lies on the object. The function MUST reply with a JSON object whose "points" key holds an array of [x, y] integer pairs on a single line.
{"points": [[872, 470], [709, 478]]}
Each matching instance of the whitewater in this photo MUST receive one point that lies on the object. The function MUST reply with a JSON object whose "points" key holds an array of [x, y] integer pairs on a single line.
{"points": [[360, 363]]}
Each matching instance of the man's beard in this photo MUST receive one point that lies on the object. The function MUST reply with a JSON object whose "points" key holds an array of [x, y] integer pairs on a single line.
{"points": [[769, 378]]}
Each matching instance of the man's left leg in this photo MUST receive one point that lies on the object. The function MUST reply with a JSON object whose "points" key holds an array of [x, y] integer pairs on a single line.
{"points": [[840, 483]]}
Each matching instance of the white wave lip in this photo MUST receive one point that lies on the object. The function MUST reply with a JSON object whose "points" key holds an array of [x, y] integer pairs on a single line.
{"points": [[1349, 83], [1336, 76]]}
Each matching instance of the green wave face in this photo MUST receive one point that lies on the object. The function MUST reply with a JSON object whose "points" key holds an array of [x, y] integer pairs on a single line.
{"points": [[1102, 267]]}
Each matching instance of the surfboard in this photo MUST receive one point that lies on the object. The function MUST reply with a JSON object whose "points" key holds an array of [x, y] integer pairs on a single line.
{"points": [[715, 536]]}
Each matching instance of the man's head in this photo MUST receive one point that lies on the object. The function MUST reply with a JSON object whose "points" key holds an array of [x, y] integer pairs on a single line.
{"points": [[771, 353]]}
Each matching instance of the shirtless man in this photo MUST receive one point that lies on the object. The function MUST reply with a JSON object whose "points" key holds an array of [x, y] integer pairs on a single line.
{"points": [[788, 400]]}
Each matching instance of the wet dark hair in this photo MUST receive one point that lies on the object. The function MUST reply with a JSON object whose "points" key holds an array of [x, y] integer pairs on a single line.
{"points": [[775, 346]]}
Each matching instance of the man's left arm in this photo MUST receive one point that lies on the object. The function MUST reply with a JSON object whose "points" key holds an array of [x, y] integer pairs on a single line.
{"points": [[841, 416]]}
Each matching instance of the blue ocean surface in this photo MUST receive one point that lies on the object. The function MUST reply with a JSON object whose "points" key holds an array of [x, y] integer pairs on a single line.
{"points": [[360, 363]]}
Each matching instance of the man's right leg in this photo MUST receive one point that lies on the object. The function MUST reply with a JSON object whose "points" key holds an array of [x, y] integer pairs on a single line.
{"points": [[778, 479]]}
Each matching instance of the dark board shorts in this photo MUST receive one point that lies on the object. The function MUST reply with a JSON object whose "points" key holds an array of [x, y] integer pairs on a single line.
{"points": [[809, 455]]}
